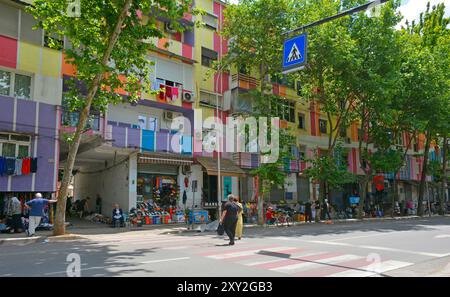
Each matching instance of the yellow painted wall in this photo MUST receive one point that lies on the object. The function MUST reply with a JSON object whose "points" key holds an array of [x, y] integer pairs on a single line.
{"points": [[29, 57]]}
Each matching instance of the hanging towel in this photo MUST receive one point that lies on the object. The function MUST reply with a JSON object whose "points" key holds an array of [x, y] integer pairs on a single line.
{"points": [[26, 163], [34, 165], [18, 170], [10, 165], [175, 94], [2, 166], [169, 93], [162, 94]]}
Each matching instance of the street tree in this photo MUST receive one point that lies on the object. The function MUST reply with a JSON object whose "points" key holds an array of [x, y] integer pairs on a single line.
{"points": [[255, 30], [108, 50], [429, 77]]}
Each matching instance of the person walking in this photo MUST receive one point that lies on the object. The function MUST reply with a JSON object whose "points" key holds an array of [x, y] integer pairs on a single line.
{"points": [[326, 210], [317, 209], [36, 207], [240, 221], [15, 214], [308, 212], [229, 218]]}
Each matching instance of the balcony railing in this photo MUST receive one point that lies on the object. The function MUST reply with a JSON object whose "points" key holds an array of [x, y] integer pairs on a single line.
{"points": [[243, 81], [70, 119], [131, 137]]}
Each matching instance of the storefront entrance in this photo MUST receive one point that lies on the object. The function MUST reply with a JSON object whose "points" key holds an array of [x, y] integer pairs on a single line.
{"points": [[161, 189]]}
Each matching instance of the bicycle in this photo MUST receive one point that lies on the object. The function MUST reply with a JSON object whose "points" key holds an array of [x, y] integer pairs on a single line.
{"points": [[282, 218]]}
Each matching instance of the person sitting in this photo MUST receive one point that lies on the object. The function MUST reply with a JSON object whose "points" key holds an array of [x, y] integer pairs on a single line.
{"points": [[117, 216]]}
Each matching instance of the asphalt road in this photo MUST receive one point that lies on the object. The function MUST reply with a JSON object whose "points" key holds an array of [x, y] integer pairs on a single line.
{"points": [[414, 247]]}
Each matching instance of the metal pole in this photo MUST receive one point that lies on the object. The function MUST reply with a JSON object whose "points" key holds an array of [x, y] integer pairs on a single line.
{"points": [[219, 177], [337, 16]]}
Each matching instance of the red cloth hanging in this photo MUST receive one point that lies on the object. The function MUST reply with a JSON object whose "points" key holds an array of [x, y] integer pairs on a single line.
{"points": [[169, 93], [162, 94], [26, 166]]}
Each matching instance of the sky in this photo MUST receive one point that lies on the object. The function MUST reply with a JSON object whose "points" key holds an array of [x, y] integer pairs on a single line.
{"points": [[411, 9]]}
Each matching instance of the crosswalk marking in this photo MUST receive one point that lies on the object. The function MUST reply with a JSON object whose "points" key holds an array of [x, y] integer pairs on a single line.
{"points": [[312, 262], [253, 263], [250, 252], [376, 269]]}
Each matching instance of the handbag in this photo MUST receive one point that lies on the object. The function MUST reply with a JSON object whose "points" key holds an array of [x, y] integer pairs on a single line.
{"points": [[220, 229]]}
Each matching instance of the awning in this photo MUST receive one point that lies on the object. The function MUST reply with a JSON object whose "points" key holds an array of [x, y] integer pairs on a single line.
{"points": [[227, 167], [161, 158]]}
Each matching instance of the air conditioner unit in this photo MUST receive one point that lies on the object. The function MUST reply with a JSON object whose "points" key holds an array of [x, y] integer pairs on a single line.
{"points": [[169, 116], [186, 169], [188, 96], [169, 28]]}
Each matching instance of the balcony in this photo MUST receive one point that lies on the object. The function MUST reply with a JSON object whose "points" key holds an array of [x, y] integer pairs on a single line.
{"points": [[243, 81], [172, 47], [130, 137], [69, 122]]}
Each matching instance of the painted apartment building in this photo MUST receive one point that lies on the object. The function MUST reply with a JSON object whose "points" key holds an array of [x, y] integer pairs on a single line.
{"points": [[30, 99], [132, 152]]}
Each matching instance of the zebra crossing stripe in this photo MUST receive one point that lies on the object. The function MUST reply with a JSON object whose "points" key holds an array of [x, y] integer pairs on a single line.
{"points": [[305, 263], [260, 262], [251, 252], [373, 269]]}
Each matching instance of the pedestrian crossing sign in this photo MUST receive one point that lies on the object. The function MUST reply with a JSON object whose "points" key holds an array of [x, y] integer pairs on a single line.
{"points": [[294, 53]]}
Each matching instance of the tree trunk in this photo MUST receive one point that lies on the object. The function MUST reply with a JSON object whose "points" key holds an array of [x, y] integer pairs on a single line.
{"points": [[423, 175], [363, 193], [59, 227], [394, 194], [442, 207], [260, 205]]}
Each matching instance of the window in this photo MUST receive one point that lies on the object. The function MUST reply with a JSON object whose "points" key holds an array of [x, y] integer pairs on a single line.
{"points": [[285, 110], [301, 121], [208, 57], [152, 123], [14, 145], [14, 84], [210, 99], [323, 126], [302, 152], [210, 21]]}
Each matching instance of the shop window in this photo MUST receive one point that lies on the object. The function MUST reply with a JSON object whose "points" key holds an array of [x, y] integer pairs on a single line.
{"points": [[14, 84], [208, 57], [323, 126], [14, 145]]}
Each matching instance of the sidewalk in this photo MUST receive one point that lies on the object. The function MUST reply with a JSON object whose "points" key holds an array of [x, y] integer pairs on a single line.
{"points": [[78, 228]]}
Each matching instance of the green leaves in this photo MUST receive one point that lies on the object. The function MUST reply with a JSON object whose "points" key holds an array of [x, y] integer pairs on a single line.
{"points": [[87, 38]]}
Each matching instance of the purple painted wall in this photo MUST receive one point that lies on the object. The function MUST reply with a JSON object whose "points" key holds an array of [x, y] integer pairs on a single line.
{"points": [[26, 116], [25, 123], [118, 134], [6, 113], [134, 138], [46, 148]]}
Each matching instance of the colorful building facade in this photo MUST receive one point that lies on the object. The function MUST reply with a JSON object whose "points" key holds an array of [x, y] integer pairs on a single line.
{"points": [[132, 153]]}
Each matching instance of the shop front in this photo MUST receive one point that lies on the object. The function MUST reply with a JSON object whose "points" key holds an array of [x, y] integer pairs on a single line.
{"points": [[230, 174], [158, 196]]}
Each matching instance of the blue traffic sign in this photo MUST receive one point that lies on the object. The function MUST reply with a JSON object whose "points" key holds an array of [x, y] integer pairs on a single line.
{"points": [[294, 53]]}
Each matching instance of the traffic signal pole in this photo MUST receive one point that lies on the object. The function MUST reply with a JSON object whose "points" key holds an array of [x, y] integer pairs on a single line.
{"points": [[337, 16]]}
